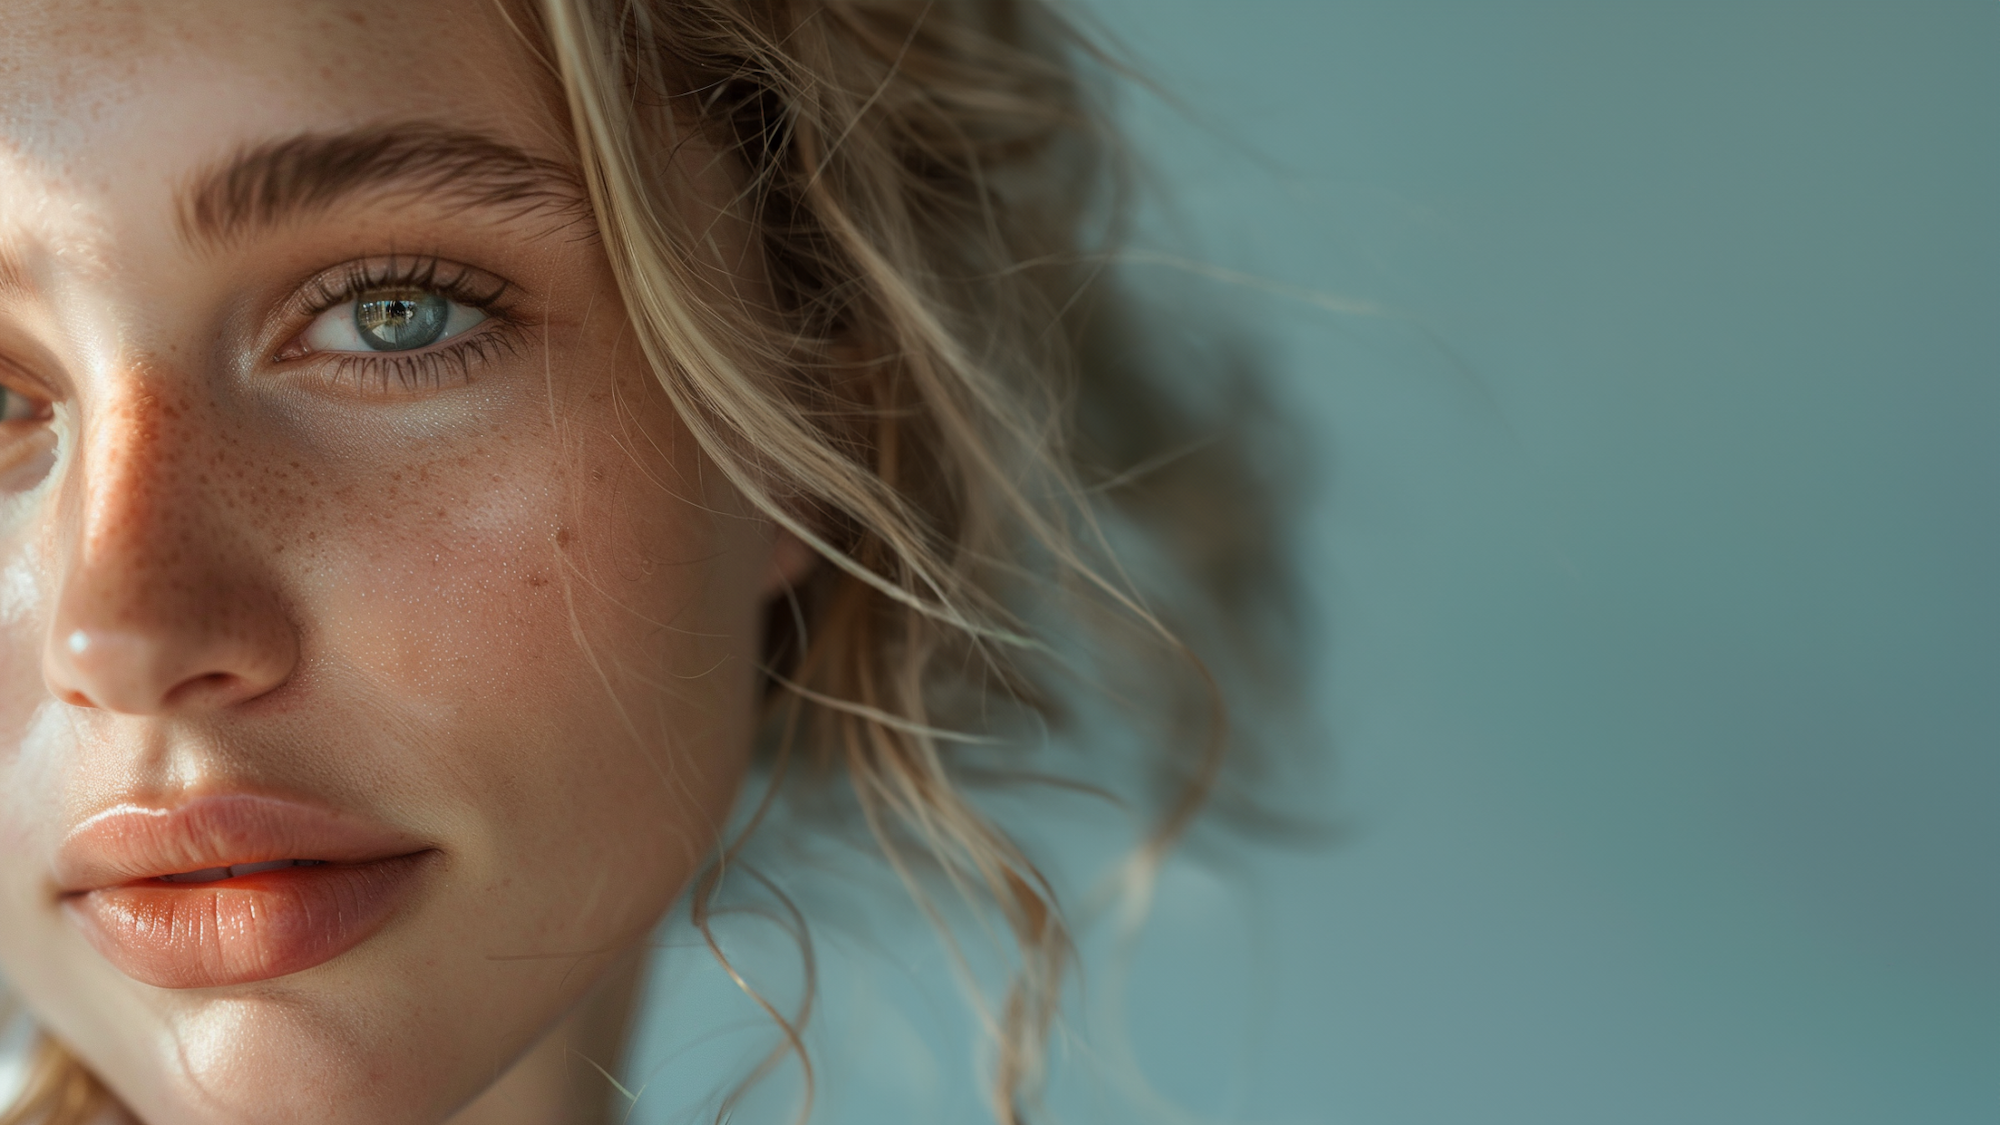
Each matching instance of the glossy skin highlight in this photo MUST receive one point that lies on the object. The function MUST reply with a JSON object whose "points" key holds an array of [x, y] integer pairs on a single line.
{"points": [[496, 609]]}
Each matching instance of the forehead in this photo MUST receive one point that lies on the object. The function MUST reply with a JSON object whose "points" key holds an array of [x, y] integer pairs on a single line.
{"points": [[110, 97]]}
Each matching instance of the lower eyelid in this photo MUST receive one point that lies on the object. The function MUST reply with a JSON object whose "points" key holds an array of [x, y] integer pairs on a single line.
{"points": [[440, 366]]}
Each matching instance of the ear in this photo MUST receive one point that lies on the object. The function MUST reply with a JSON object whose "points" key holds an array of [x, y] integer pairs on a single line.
{"points": [[791, 562]]}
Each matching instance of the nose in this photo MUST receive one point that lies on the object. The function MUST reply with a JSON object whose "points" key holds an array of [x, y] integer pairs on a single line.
{"points": [[160, 609]]}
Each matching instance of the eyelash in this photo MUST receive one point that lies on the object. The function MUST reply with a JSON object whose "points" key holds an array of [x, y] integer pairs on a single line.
{"points": [[429, 368]]}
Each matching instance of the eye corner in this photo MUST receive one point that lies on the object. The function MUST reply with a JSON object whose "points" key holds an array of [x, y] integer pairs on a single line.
{"points": [[294, 347], [21, 389]]}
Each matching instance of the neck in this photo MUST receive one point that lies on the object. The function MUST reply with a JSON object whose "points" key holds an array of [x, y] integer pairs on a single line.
{"points": [[558, 1081]]}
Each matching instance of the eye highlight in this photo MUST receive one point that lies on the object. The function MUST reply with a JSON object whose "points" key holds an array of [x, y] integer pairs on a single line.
{"points": [[400, 325]]}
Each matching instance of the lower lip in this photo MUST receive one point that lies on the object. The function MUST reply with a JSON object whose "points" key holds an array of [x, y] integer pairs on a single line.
{"points": [[250, 928]]}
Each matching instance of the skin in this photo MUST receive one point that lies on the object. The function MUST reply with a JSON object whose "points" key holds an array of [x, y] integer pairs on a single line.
{"points": [[510, 614]]}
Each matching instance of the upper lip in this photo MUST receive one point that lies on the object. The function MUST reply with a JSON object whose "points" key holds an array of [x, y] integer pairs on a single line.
{"points": [[130, 842]]}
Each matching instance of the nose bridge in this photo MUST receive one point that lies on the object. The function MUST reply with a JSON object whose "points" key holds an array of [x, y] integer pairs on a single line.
{"points": [[138, 523], [161, 606]]}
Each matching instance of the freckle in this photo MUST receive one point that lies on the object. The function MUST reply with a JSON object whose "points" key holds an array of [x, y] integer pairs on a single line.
{"points": [[562, 537]]}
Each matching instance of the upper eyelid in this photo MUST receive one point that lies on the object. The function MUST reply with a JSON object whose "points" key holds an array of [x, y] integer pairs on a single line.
{"points": [[456, 280], [12, 384], [21, 379]]}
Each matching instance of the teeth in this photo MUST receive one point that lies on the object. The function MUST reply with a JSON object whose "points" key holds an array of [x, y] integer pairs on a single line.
{"points": [[215, 874]]}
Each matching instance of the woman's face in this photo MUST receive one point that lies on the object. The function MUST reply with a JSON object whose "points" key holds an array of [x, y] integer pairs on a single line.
{"points": [[379, 658]]}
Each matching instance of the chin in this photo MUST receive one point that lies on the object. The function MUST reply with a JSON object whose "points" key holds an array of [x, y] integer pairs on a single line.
{"points": [[298, 1059]]}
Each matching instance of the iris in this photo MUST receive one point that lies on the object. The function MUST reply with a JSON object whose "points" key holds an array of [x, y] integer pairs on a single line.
{"points": [[400, 322]]}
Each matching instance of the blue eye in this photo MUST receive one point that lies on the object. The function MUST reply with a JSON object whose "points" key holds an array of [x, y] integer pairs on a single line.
{"points": [[400, 322], [390, 320]]}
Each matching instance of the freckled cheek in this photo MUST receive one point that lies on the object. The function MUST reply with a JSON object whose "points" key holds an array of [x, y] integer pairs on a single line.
{"points": [[439, 579], [460, 597], [468, 578]]}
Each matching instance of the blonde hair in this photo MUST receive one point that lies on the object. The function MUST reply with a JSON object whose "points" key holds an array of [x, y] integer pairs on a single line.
{"points": [[896, 393]]}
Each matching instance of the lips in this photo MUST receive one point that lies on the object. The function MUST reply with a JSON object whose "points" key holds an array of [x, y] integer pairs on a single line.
{"points": [[232, 889]]}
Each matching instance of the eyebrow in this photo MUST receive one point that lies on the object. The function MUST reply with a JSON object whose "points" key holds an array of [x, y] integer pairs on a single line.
{"points": [[295, 178]]}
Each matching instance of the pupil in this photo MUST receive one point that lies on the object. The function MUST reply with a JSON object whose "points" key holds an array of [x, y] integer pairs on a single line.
{"points": [[400, 322]]}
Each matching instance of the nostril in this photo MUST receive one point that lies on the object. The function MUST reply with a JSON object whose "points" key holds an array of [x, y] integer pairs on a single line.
{"points": [[211, 687], [133, 673]]}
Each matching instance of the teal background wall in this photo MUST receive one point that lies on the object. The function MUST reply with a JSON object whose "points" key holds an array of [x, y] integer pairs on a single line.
{"points": [[1653, 538]]}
